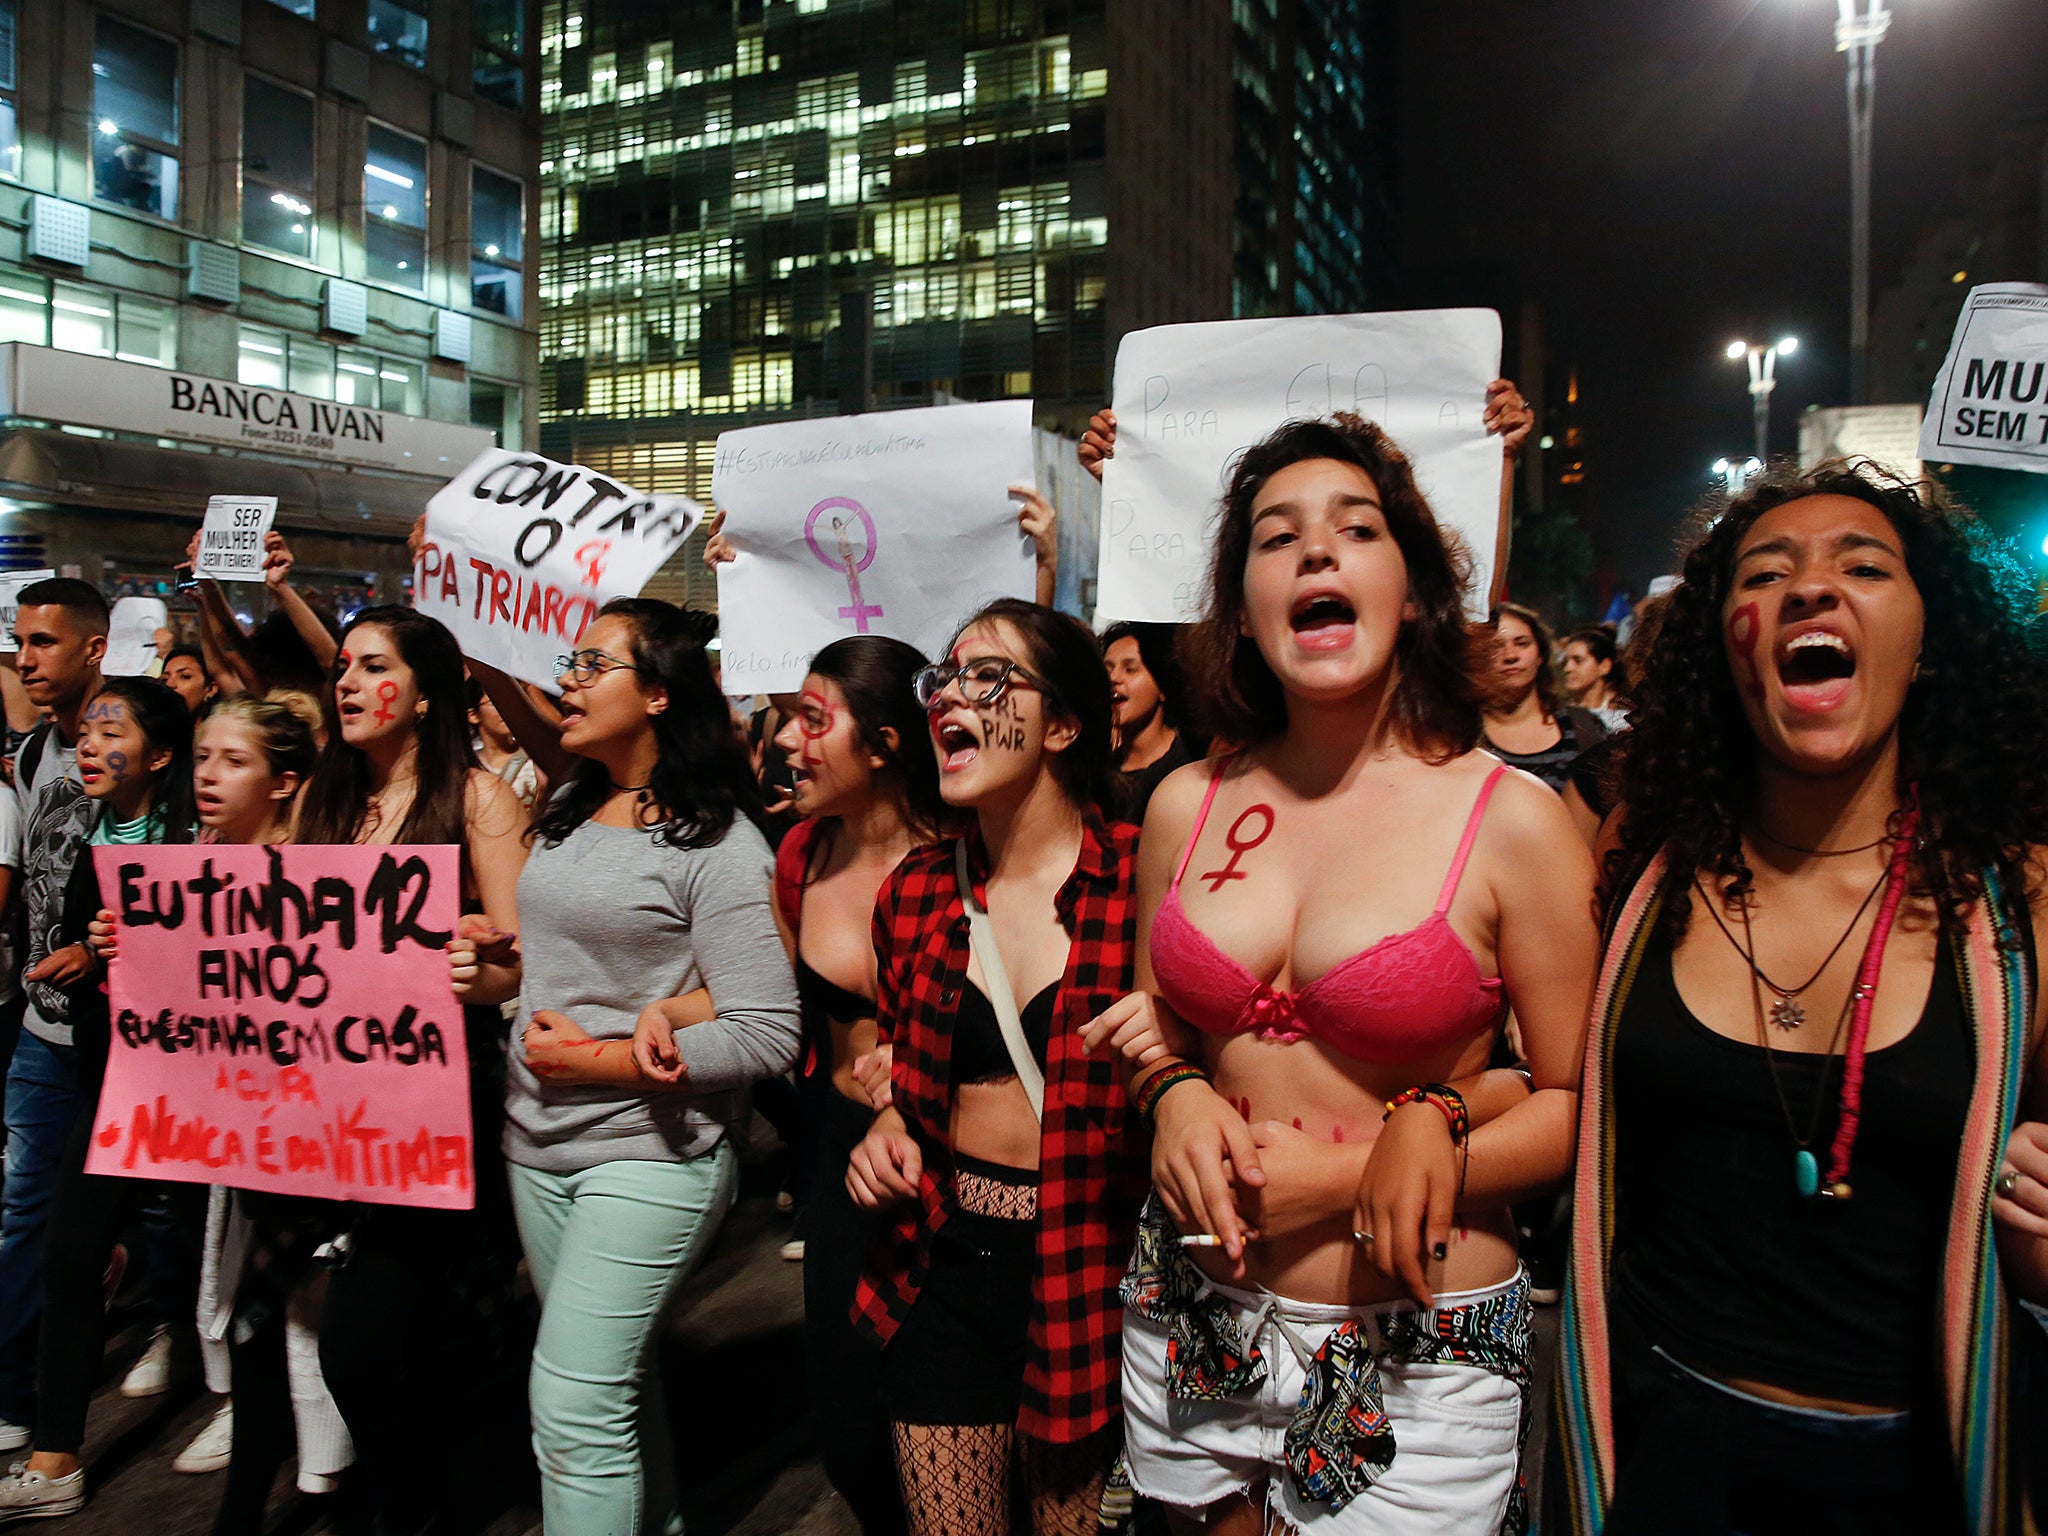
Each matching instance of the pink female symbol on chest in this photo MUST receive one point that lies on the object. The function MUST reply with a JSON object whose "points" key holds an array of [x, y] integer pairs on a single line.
{"points": [[845, 513]]}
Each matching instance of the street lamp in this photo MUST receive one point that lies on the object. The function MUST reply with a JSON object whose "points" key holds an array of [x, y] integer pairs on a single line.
{"points": [[1857, 34], [1763, 378], [1735, 476]]}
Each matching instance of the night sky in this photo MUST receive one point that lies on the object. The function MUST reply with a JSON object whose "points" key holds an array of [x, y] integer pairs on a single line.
{"points": [[1664, 176]]}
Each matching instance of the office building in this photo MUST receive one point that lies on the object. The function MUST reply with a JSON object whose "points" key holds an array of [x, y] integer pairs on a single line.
{"points": [[258, 247]]}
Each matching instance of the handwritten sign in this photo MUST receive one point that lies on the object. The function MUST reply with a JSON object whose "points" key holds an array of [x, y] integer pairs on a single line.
{"points": [[521, 552], [10, 601], [1190, 399], [283, 1021], [131, 635], [1990, 401], [894, 523], [231, 538]]}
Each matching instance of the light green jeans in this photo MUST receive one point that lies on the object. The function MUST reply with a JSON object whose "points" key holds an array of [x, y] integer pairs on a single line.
{"points": [[607, 1247]]}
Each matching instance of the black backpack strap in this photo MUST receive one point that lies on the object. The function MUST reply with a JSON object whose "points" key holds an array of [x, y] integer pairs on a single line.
{"points": [[30, 757]]}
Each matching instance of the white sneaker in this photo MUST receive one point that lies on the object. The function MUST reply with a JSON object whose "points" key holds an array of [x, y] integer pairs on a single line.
{"points": [[150, 1375], [211, 1447], [14, 1436], [26, 1495], [793, 1250]]}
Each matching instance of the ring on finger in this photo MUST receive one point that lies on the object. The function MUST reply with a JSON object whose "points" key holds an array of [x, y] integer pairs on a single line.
{"points": [[1363, 1239], [2007, 1182]]}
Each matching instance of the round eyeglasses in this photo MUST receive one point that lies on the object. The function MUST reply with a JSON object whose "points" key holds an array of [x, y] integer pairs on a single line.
{"points": [[982, 681]]}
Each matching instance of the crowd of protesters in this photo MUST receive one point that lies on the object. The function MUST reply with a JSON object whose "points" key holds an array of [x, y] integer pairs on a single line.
{"points": [[1200, 1048]]}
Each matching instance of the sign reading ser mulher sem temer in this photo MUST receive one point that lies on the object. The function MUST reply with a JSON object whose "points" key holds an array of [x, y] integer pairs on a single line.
{"points": [[133, 397], [521, 552], [1990, 402]]}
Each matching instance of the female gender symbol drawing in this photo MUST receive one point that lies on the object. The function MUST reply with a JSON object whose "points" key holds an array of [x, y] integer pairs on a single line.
{"points": [[859, 611]]}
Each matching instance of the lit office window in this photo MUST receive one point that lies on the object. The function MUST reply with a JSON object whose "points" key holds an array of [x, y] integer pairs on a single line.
{"points": [[82, 319], [395, 208], [104, 324], [10, 140], [277, 168], [497, 242], [399, 28], [260, 357], [24, 308], [135, 119], [499, 54], [145, 331], [381, 383]]}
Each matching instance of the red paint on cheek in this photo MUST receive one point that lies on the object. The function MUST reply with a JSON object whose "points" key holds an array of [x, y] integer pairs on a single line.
{"points": [[1337, 1134], [386, 692], [1745, 625]]}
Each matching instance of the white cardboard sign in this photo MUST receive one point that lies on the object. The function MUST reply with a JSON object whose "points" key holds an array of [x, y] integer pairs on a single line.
{"points": [[1190, 399], [893, 523], [131, 635], [521, 552], [231, 538], [1990, 401], [10, 602]]}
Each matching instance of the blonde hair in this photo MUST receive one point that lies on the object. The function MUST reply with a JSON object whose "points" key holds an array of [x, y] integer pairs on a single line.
{"points": [[283, 723]]}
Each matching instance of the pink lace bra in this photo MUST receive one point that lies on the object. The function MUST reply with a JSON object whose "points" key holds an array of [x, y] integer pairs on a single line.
{"points": [[1407, 996]]}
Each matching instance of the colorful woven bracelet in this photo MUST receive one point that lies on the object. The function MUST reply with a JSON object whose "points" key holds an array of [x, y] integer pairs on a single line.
{"points": [[1154, 1088], [1448, 1101]]}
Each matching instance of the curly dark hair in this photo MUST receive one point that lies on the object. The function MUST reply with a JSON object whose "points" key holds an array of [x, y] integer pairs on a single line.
{"points": [[1440, 655], [1972, 738]]}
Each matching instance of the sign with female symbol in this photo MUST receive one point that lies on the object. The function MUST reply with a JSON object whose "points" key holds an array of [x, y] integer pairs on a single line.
{"points": [[846, 512]]}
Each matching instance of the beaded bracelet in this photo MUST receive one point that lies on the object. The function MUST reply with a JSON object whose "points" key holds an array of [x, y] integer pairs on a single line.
{"points": [[1154, 1088], [1448, 1101]]}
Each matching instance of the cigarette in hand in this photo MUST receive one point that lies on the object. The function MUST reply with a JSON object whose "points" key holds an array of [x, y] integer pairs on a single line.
{"points": [[1201, 1240]]}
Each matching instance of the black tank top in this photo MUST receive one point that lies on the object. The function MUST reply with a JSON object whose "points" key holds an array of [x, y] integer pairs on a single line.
{"points": [[1734, 1271], [979, 1055]]}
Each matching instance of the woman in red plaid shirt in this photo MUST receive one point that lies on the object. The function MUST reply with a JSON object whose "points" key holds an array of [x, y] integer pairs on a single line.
{"points": [[994, 1293], [1327, 1328]]}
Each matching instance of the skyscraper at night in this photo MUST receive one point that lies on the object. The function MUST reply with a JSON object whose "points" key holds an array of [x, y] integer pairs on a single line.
{"points": [[758, 208]]}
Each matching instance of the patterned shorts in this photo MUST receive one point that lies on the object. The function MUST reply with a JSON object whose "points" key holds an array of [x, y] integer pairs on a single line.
{"points": [[1384, 1418]]}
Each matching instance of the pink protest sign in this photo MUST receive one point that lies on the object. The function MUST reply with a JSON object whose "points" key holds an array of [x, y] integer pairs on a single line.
{"points": [[282, 1021]]}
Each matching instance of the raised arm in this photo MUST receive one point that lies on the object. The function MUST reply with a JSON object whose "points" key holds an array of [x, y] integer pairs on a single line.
{"points": [[1509, 416], [277, 567]]}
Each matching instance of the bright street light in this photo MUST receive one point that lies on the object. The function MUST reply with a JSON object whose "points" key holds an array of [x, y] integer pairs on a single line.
{"points": [[1857, 34], [1763, 378], [1735, 476]]}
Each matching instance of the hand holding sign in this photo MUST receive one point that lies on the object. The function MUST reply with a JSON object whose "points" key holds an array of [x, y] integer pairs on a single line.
{"points": [[233, 539]]}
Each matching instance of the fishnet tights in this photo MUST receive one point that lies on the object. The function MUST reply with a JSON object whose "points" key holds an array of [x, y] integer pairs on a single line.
{"points": [[956, 1481]]}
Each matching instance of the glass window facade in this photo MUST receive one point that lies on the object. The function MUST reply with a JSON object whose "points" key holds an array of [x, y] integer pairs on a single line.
{"points": [[395, 208], [497, 242], [277, 168], [10, 138], [278, 359], [399, 28], [498, 30], [135, 118], [714, 190]]}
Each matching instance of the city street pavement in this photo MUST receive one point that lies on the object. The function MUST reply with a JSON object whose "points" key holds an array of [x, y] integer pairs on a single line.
{"points": [[732, 1362]]}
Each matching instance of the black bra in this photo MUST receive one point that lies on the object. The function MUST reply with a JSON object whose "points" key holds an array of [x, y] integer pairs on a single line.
{"points": [[828, 998], [979, 1055]]}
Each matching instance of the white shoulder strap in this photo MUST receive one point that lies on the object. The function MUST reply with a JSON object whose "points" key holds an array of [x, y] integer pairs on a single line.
{"points": [[981, 934]]}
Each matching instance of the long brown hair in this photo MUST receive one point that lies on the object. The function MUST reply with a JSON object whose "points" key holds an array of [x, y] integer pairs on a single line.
{"points": [[1439, 654], [1547, 692], [334, 803]]}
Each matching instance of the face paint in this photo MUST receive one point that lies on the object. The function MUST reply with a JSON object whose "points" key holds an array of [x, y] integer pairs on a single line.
{"points": [[813, 729], [1240, 846], [1745, 625], [103, 709], [386, 692], [1002, 724], [117, 766]]}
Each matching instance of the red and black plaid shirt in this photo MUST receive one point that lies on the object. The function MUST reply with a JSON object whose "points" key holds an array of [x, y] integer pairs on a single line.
{"points": [[1093, 1157]]}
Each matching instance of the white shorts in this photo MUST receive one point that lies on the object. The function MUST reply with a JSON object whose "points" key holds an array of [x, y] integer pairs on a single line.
{"points": [[1457, 1427]]}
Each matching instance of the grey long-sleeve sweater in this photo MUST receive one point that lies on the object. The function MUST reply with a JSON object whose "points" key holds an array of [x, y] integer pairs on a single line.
{"points": [[610, 921]]}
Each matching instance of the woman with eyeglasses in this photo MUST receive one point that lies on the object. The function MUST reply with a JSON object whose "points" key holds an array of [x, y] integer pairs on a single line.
{"points": [[412, 1292], [1003, 1156], [648, 886]]}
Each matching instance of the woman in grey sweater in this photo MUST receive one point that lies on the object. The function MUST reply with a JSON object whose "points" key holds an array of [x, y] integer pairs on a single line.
{"points": [[648, 886]]}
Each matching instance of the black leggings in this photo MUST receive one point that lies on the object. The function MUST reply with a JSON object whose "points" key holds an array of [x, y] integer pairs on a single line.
{"points": [[87, 1212], [851, 1430]]}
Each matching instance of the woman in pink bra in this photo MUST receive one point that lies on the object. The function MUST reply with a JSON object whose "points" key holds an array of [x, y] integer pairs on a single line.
{"points": [[1326, 1327]]}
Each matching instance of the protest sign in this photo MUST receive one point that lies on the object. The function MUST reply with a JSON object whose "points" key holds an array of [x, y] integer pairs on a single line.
{"points": [[1190, 398], [894, 523], [1989, 406], [131, 635], [231, 538], [521, 552], [1887, 435], [283, 1021], [10, 601]]}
